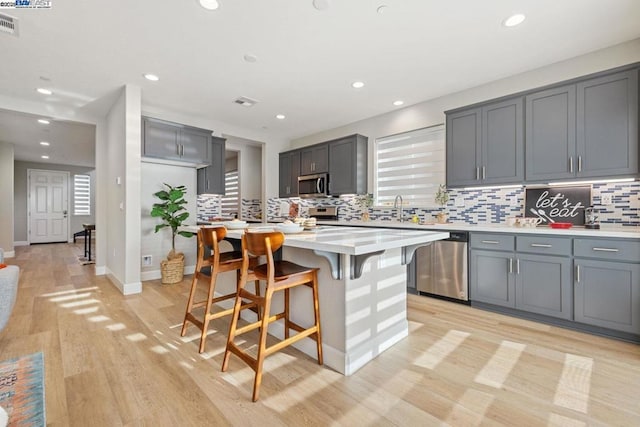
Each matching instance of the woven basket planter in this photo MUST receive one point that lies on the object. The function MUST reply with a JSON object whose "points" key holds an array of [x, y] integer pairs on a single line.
{"points": [[172, 269]]}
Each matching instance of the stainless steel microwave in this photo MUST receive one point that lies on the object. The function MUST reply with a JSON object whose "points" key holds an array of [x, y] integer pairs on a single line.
{"points": [[313, 185]]}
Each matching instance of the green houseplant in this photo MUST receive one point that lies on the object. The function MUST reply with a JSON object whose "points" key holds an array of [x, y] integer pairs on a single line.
{"points": [[171, 209], [364, 202], [442, 197]]}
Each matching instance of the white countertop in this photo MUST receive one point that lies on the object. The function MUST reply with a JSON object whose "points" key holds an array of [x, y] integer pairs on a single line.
{"points": [[349, 240], [617, 231]]}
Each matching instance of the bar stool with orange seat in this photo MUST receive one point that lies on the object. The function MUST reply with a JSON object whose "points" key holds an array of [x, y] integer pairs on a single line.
{"points": [[279, 275], [219, 262]]}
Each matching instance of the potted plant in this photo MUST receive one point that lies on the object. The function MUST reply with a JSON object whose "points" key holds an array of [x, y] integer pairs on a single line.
{"points": [[442, 197], [365, 201], [173, 213]]}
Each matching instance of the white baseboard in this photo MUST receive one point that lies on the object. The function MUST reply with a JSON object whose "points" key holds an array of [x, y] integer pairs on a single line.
{"points": [[125, 288], [9, 254], [21, 243], [101, 270]]}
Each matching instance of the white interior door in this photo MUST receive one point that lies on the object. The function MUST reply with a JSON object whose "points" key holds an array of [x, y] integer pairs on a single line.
{"points": [[48, 206]]}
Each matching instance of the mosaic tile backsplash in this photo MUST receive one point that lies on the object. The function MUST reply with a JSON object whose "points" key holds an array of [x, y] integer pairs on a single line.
{"points": [[211, 206], [482, 206]]}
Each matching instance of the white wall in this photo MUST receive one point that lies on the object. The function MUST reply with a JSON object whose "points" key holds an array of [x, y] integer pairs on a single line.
{"points": [[431, 112], [158, 244], [6, 207], [120, 227]]}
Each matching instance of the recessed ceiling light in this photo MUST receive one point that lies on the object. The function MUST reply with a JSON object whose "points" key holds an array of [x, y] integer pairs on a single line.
{"points": [[151, 77], [514, 20], [44, 91], [43, 121], [250, 57], [398, 103], [321, 4], [280, 116], [210, 4], [44, 143], [382, 8], [44, 156], [357, 85]]}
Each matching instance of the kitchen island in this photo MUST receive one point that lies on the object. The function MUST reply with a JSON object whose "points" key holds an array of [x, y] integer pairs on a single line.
{"points": [[362, 284]]}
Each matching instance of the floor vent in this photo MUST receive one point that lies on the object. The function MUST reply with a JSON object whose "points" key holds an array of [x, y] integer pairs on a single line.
{"points": [[8, 24], [245, 102]]}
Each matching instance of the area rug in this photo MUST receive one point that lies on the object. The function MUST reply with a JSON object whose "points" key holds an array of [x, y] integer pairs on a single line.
{"points": [[22, 390], [85, 261]]}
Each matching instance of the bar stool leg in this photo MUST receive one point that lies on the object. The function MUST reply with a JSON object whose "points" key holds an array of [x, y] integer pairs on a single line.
{"points": [[232, 328], [262, 346], [207, 309], [286, 313], [192, 295], [316, 313]]}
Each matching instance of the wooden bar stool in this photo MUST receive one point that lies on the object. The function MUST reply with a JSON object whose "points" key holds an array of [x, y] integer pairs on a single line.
{"points": [[219, 262], [279, 275]]}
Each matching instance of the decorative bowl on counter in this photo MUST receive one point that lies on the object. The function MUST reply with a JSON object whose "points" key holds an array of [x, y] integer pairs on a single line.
{"points": [[560, 225], [235, 225], [289, 228]]}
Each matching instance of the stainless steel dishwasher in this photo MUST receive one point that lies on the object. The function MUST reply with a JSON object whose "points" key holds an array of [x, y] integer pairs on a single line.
{"points": [[441, 268]]}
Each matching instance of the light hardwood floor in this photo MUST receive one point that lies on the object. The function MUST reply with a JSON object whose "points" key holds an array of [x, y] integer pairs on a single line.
{"points": [[112, 360]]}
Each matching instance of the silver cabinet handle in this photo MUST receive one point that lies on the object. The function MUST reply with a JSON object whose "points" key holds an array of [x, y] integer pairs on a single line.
{"points": [[484, 173], [490, 242], [571, 164], [606, 250], [178, 149], [510, 265], [578, 273], [477, 174], [540, 245], [518, 266], [579, 163]]}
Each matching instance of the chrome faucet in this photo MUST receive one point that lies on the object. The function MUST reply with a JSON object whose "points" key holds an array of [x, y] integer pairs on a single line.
{"points": [[399, 213]]}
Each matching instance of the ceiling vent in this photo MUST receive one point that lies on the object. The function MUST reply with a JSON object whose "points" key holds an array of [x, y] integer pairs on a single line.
{"points": [[245, 102], [8, 24]]}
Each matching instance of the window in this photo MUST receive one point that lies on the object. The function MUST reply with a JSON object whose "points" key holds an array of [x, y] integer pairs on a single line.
{"points": [[411, 164], [82, 195], [230, 200]]}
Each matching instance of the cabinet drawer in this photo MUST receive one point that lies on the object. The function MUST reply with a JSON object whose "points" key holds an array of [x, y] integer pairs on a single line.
{"points": [[502, 242], [544, 245], [619, 250]]}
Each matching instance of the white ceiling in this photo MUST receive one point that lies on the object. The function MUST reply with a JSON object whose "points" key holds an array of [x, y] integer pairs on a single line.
{"points": [[306, 59]]}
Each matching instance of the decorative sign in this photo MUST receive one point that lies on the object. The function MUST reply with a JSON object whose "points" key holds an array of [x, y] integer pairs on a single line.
{"points": [[558, 204]]}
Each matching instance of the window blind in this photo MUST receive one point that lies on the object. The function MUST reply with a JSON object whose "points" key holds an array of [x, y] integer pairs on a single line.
{"points": [[410, 164], [230, 200], [82, 195]]}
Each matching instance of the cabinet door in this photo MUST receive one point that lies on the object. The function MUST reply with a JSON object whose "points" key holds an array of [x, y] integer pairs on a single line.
{"points": [[607, 125], [195, 145], [464, 131], [607, 294], [348, 165], [492, 278], [314, 159], [160, 140], [216, 171], [288, 172], [543, 285], [550, 134], [294, 173], [503, 142]]}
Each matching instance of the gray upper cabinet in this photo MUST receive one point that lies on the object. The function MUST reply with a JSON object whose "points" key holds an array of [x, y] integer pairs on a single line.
{"points": [[607, 125], [314, 159], [550, 134], [211, 179], [486, 145], [175, 142], [348, 165], [288, 172]]}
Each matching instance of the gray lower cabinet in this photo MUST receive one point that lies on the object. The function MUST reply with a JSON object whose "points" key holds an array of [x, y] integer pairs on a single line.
{"points": [[543, 285], [607, 294], [348, 165], [176, 142], [491, 277], [288, 172], [486, 145], [211, 179]]}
